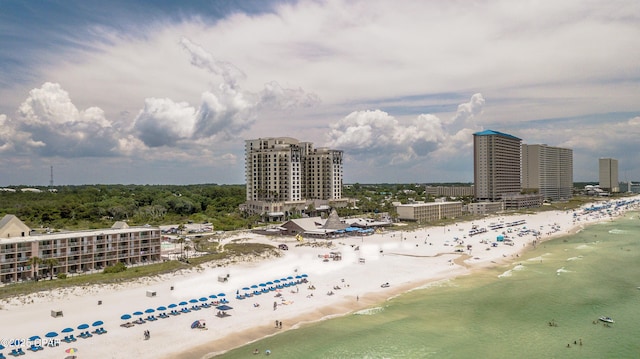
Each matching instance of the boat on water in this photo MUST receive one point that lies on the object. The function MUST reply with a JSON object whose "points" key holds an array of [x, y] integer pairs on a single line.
{"points": [[606, 319]]}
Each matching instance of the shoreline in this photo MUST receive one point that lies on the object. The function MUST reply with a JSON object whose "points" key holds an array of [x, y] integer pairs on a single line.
{"points": [[418, 258]]}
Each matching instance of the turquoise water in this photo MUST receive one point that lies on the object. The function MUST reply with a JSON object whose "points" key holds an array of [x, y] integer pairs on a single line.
{"points": [[502, 312]]}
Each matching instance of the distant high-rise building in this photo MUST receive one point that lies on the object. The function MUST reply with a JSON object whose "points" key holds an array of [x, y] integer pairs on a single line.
{"points": [[284, 171], [609, 174], [549, 170], [496, 165]]}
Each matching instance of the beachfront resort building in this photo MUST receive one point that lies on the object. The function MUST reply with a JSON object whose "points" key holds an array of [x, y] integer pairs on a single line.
{"points": [[286, 176], [449, 191], [429, 211], [608, 174], [496, 165], [72, 252], [548, 171]]}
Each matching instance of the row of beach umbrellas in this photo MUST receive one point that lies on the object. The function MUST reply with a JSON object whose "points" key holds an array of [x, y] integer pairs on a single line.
{"points": [[55, 334], [275, 282], [173, 305]]}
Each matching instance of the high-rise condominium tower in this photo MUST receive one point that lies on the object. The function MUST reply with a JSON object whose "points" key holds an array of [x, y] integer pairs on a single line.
{"points": [[283, 169], [609, 174], [549, 170], [496, 165]]}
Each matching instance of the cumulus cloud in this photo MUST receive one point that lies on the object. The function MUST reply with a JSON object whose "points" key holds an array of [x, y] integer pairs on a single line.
{"points": [[378, 133], [50, 124], [225, 110]]}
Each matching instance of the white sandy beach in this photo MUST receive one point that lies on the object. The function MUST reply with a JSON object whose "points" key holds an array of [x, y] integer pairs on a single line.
{"points": [[406, 260]]}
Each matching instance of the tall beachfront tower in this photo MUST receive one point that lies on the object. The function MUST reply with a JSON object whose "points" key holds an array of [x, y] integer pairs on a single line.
{"points": [[549, 170], [282, 172], [496, 165], [608, 171]]}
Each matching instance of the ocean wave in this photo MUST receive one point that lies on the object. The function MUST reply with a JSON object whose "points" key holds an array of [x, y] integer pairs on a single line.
{"points": [[369, 311], [442, 283], [617, 231], [562, 270], [583, 246], [574, 258], [508, 273]]}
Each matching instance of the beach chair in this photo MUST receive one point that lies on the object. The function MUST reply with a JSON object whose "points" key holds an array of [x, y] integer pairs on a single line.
{"points": [[14, 352], [72, 338], [2, 356]]}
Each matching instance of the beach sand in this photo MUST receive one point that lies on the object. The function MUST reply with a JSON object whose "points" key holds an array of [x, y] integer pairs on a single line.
{"points": [[405, 259]]}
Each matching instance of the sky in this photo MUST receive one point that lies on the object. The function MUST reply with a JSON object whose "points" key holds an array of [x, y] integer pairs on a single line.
{"points": [[167, 92]]}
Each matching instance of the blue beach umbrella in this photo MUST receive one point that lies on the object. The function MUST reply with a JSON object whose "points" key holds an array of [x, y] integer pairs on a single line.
{"points": [[138, 313], [1, 346], [34, 338], [221, 294], [224, 307], [269, 283], [97, 323], [254, 286], [150, 310], [183, 303], [246, 288], [161, 308], [289, 277], [276, 281], [203, 299], [67, 330], [304, 275], [262, 284], [83, 326], [51, 335], [173, 305], [193, 301], [213, 296], [124, 317]]}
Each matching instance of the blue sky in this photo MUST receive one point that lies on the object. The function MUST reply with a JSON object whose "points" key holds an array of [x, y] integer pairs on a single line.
{"points": [[166, 92]]}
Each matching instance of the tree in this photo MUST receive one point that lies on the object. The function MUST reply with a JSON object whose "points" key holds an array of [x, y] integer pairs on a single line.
{"points": [[187, 248], [35, 262], [181, 241], [50, 263]]}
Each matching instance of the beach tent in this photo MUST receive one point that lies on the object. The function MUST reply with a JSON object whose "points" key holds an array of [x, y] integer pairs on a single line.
{"points": [[500, 238], [224, 307]]}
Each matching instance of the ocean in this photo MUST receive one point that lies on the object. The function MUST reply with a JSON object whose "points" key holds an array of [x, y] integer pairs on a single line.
{"points": [[545, 305]]}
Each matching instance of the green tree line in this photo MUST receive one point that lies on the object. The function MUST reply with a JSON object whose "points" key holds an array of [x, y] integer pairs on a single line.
{"points": [[98, 206]]}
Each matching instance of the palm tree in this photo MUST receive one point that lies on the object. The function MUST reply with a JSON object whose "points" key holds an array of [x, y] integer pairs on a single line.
{"points": [[34, 261], [181, 241], [186, 251], [50, 263]]}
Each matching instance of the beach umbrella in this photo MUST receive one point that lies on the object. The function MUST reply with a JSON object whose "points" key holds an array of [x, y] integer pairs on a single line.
{"points": [[269, 283], [254, 286], [221, 294], [223, 307], [71, 350], [289, 277], [183, 303], [304, 275], [193, 301], [246, 288], [34, 338], [283, 279], [83, 326], [262, 284], [150, 310], [161, 308], [213, 296], [138, 313], [97, 323], [1, 346], [173, 305], [298, 277], [67, 330], [125, 317], [203, 299], [276, 281], [51, 335]]}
